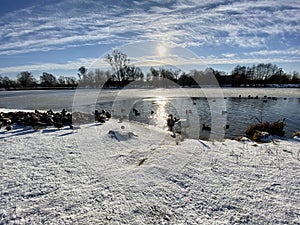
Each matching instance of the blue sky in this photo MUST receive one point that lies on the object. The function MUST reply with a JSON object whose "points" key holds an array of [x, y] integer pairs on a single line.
{"points": [[60, 36]]}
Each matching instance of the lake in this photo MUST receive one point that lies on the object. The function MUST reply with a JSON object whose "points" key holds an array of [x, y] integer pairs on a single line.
{"points": [[214, 107]]}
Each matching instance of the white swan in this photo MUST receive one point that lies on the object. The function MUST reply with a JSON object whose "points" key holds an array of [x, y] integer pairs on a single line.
{"points": [[183, 123]]}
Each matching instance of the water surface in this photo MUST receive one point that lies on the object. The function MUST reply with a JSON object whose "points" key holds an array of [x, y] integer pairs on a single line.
{"points": [[211, 106]]}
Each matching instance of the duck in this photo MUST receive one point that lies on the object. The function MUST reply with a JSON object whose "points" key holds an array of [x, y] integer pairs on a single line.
{"points": [[101, 119], [63, 111], [73, 127], [170, 122], [9, 127], [58, 125], [39, 125], [108, 115], [226, 126], [183, 123], [6, 121], [207, 128], [97, 114], [136, 112]]}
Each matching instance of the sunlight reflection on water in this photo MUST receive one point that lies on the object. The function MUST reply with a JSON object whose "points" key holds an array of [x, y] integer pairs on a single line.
{"points": [[159, 115]]}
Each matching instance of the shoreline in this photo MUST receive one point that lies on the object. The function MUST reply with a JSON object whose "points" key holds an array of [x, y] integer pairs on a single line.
{"points": [[268, 139], [296, 86]]}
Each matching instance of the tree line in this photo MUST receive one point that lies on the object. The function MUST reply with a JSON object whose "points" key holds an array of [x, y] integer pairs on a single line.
{"points": [[123, 73], [26, 80]]}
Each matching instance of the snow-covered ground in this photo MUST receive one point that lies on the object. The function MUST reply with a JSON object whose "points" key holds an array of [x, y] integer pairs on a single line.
{"points": [[137, 174]]}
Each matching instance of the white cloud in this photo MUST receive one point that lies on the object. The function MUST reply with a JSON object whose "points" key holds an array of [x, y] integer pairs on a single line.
{"points": [[242, 25], [187, 27], [291, 52], [55, 66], [228, 55]]}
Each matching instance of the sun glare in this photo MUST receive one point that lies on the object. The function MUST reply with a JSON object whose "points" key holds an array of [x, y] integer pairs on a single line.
{"points": [[161, 50]]}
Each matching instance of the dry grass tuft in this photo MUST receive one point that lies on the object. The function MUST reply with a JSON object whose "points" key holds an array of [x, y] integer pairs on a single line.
{"points": [[276, 128]]}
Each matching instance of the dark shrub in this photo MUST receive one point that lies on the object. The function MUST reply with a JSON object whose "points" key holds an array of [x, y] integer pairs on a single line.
{"points": [[276, 128]]}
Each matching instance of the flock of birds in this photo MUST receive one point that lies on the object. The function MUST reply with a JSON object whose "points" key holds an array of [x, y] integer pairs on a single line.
{"points": [[180, 125], [265, 98], [41, 120]]}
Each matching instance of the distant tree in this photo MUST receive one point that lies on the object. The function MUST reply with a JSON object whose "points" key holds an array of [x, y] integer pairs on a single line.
{"points": [[82, 71], [185, 80], [154, 72], [26, 79], [295, 77], [133, 73], [48, 80], [167, 74], [71, 81], [239, 75], [154, 76], [1, 82], [177, 74], [119, 63], [196, 74], [89, 79], [124, 73], [7, 83], [61, 81], [101, 77], [279, 79], [264, 71]]}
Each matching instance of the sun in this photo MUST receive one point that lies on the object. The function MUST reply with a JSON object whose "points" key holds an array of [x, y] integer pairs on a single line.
{"points": [[161, 50]]}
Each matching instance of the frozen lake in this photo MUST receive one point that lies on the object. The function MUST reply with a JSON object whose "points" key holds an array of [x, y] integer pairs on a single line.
{"points": [[214, 107]]}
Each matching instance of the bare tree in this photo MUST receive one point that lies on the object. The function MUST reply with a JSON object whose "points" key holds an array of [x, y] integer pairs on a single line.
{"points": [[119, 62]]}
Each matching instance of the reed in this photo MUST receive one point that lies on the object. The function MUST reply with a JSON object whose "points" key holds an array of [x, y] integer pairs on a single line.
{"points": [[276, 128]]}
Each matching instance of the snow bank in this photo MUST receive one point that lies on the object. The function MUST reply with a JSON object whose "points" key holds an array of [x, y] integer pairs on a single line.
{"points": [[88, 177]]}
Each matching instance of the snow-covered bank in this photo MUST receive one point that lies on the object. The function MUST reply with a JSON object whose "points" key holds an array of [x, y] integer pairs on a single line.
{"points": [[88, 176]]}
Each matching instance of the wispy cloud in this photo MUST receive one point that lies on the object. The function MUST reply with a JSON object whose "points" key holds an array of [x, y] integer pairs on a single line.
{"points": [[240, 23], [291, 52], [178, 58], [56, 66], [247, 28]]}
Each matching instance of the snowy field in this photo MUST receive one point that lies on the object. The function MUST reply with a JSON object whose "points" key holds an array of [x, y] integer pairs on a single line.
{"points": [[137, 174]]}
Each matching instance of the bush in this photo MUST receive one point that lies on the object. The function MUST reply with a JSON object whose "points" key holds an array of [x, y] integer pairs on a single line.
{"points": [[276, 128]]}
